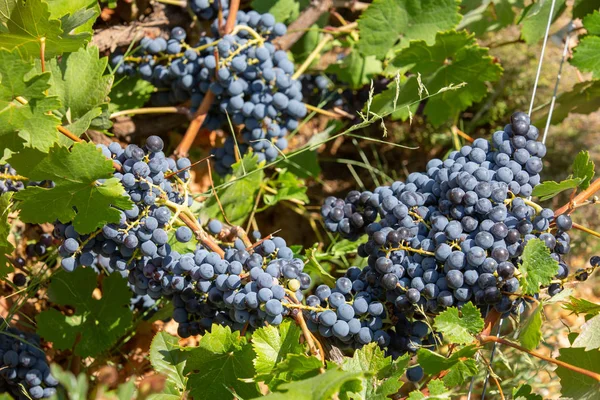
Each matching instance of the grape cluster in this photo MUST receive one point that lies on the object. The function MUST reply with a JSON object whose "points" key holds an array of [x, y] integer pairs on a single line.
{"points": [[456, 232], [251, 80], [23, 366]]}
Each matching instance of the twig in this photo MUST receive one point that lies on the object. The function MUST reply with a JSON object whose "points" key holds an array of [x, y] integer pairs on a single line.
{"points": [[152, 110], [258, 243], [201, 236], [321, 111], [190, 135], [234, 6], [212, 185], [580, 198], [491, 373], [490, 339], [170, 174], [311, 57], [43, 53], [299, 318], [308, 17], [586, 230], [462, 134]]}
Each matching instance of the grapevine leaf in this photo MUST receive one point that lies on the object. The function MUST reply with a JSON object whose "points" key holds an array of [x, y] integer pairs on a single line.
{"points": [[97, 324], [583, 7], [288, 187], [355, 69], [437, 391], [458, 369], [582, 306], [169, 359], [303, 165], [589, 338], [454, 59], [129, 93], [6, 247], [584, 98], [219, 364], [459, 327], [282, 10], [487, 16], [322, 386], [575, 385], [531, 331], [535, 19], [583, 168], [586, 56], [382, 375], [538, 267], [313, 266], [294, 367], [79, 82], [387, 21], [524, 392], [25, 123], [75, 174], [77, 16], [398, 100], [31, 21], [549, 189], [239, 196], [272, 344]]}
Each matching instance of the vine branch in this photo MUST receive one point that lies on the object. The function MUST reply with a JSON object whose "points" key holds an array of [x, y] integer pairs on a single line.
{"points": [[580, 198]]}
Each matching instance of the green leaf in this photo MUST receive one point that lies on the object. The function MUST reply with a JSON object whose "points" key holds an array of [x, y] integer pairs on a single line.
{"points": [[294, 367], [480, 17], [79, 82], [454, 59], [584, 98], [459, 327], [549, 189], [575, 385], [586, 56], [583, 7], [76, 175], [537, 268], [30, 21], [355, 69], [169, 359], [382, 375], [535, 19], [25, 123], [524, 392], [129, 93], [76, 15], [458, 370], [322, 386], [387, 21], [401, 100], [272, 345], [589, 338], [583, 168], [288, 187], [313, 266], [96, 325], [437, 391], [219, 364], [304, 165], [582, 306], [6, 247], [282, 10], [531, 330], [237, 198], [75, 386]]}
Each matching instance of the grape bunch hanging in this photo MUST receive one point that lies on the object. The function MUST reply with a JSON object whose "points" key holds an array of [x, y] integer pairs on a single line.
{"points": [[252, 81]]}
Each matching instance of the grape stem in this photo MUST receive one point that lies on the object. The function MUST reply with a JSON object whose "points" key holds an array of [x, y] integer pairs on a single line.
{"points": [[306, 19], [190, 135], [586, 230], [483, 339], [530, 203], [311, 57], [180, 3], [408, 248], [152, 110], [321, 111], [13, 177], [580, 198], [234, 6], [310, 339]]}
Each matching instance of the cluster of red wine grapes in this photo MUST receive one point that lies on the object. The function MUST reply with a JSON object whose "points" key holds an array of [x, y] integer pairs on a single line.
{"points": [[456, 232], [251, 80], [23, 366]]}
